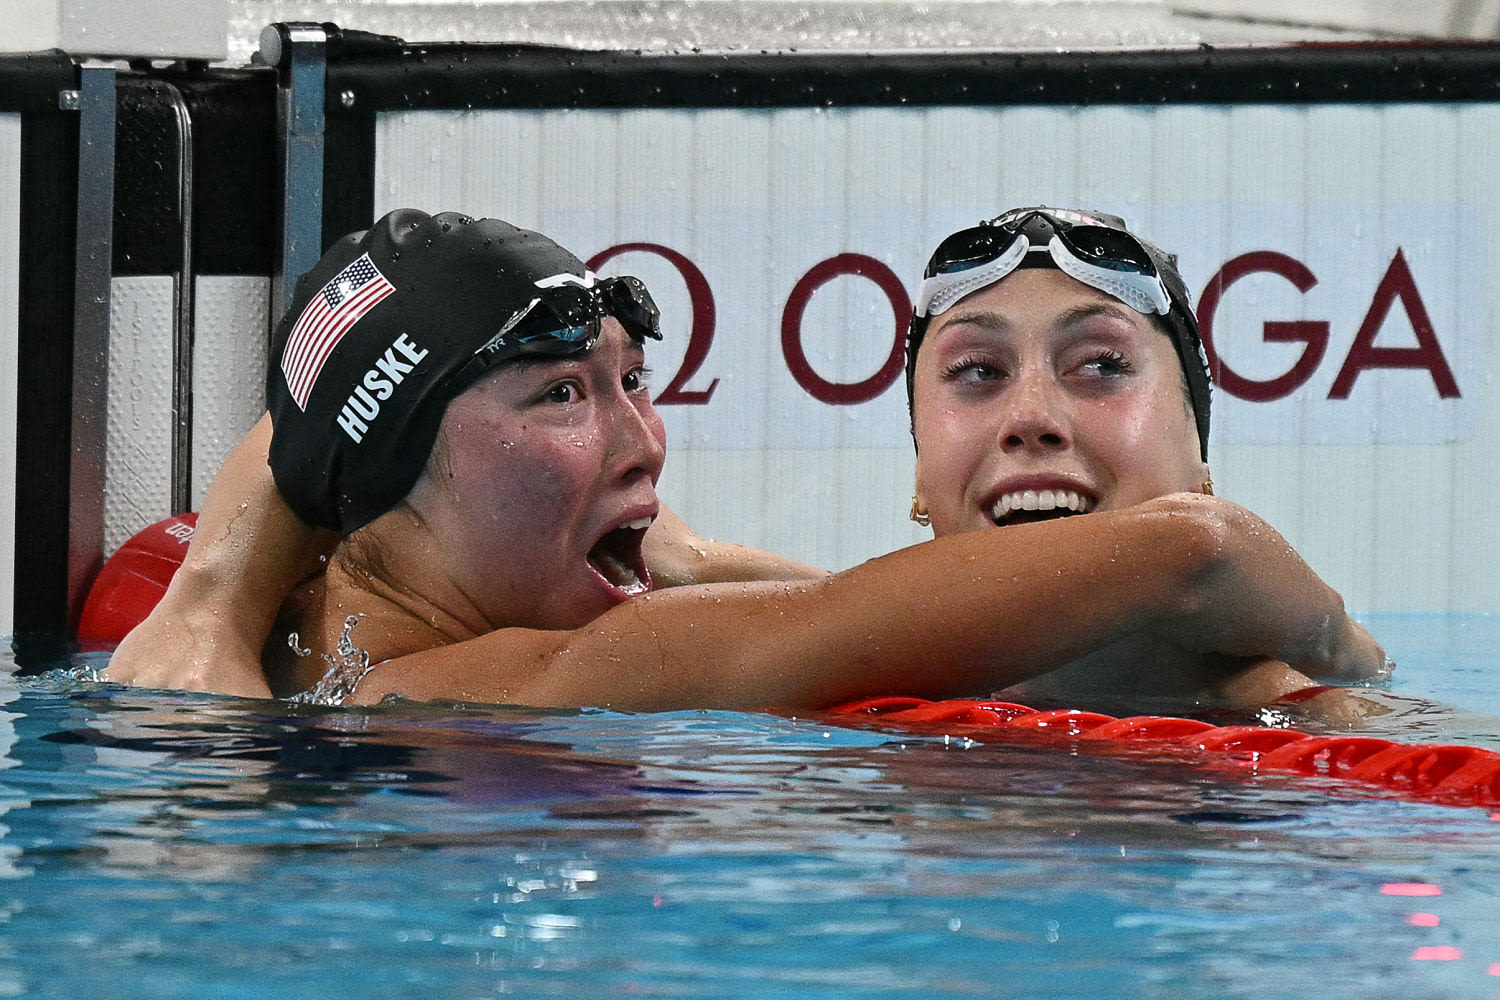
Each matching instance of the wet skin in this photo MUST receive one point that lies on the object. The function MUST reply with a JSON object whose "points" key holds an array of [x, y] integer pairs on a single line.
{"points": [[1040, 382], [568, 451], [1042, 385], [530, 513], [556, 455]]}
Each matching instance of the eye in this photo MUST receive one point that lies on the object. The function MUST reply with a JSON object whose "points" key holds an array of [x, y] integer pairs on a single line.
{"points": [[972, 369], [638, 379], [566, 391], [1107, 364]]}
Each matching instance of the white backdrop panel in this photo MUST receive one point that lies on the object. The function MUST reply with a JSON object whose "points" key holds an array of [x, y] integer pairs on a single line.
{"points": [[138, 428], [229, 364], [1355, 421]]}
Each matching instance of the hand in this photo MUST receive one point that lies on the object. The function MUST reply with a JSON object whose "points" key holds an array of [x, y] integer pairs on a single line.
{"points": [[1354, 655], [1337, 708], [1254, 596], [1270, 683], [192, 650]]}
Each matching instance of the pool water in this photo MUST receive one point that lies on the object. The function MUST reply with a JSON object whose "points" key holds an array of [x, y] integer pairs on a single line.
{"points": [[164, 845]]}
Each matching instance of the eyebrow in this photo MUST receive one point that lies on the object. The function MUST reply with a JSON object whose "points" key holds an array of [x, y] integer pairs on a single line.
{"points": [[991, 322], [982, 318], [1089, 310]]}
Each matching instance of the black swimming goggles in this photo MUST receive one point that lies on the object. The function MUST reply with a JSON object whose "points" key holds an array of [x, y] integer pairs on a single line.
{"points": [[1085, 247], [564, 318]]}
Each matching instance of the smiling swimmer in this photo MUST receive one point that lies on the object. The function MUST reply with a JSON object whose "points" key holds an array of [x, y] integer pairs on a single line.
{"points": [[1055, 368]]}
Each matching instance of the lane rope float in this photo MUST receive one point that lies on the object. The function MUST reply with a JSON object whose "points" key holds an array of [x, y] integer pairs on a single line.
{"points": [[1441, 773]]}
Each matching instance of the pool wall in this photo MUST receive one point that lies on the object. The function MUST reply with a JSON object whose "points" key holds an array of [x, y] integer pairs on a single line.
{"points": [[1331, 205]]}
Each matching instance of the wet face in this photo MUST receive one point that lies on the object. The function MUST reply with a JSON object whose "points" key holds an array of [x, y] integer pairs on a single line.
{"points": [[542, 483], [1041, 397]]}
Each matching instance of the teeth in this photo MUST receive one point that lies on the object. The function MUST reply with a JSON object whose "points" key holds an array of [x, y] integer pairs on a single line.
{"points": [[1040, 500], [640, 523], [618, 573]]}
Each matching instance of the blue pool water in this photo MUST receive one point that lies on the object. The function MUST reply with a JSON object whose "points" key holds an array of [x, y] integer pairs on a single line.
{"points": [[161, 846]]}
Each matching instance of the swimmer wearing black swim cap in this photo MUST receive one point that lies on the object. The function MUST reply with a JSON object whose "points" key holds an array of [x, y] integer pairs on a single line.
{"points": [[392, 324]]}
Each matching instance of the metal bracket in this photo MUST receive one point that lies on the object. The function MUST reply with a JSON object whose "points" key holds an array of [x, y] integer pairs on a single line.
{"points": [[299, 51], [183, 339]]}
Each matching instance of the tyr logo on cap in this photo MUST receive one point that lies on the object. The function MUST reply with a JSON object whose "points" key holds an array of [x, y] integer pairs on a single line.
{"points": [[351, 293]]}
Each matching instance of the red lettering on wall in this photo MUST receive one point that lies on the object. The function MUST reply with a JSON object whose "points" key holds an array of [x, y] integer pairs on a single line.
{"points": [[1313, 333], [700, 338], [844, 393], [1364, 355]]}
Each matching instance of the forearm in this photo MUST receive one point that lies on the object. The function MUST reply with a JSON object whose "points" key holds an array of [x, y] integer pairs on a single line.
{"points": [[248, 550], [955, 616]]}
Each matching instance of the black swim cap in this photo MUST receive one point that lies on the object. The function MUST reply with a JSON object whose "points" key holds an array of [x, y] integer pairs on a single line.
{"points": [[361, 367], [1096, 248]]}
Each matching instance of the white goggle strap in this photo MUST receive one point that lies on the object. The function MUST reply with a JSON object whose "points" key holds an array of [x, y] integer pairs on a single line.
{"points": [[588, 280], [940, 292], [1144, 293]]}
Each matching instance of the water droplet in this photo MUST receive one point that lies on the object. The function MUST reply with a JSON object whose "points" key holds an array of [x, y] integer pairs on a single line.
{"points": [[345, 670]]}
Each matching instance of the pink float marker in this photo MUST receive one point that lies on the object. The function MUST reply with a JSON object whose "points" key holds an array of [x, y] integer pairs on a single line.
{"points": [[1410, 889]]}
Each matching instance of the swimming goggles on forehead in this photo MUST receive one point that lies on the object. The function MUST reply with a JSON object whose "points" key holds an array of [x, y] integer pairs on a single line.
{"points": [[564, 318], [1109, 259]]}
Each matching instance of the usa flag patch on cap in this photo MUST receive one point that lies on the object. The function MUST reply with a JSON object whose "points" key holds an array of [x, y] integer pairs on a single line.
{"points": [[351, 293]]}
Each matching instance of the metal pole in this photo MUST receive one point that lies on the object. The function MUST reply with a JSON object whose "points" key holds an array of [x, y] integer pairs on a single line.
{"points": [[182, 321], [94, 251]]}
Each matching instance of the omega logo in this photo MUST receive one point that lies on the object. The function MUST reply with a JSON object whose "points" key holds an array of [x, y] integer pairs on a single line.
{"points": [[1396, 286]]}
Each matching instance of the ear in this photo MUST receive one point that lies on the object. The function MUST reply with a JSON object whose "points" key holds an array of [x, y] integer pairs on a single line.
{"points": [[918, 497], [1206, 479]]}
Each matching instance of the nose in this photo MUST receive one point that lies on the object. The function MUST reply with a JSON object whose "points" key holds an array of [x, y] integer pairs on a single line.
{"points": [[638, 441], [1035, 418]]}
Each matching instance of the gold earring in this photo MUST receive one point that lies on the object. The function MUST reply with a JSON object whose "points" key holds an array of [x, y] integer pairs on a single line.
{"points": [[1208, 487], [918, 514]]}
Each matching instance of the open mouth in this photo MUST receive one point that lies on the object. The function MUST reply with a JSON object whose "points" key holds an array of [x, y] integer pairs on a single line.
{"points": [[617, 558], [1029, 506]]}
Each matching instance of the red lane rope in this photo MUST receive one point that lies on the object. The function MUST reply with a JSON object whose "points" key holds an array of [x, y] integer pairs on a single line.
{"points": [[1451, 775]]}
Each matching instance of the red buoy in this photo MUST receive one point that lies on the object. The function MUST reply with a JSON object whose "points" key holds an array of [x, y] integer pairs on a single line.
{"points": [[133, 580]]}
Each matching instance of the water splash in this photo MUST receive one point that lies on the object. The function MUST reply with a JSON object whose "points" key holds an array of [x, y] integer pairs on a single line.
{"points": [[347, 666]]}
